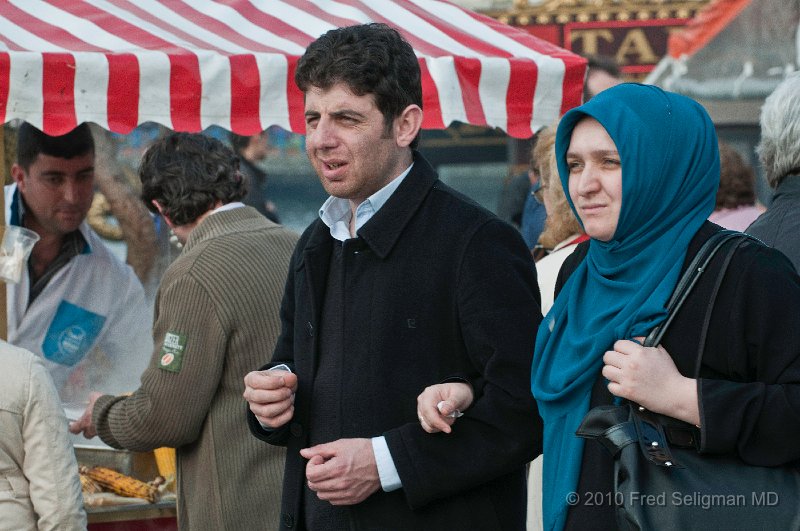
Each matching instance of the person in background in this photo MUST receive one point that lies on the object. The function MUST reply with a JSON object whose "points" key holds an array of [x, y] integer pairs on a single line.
{"points": [[562, 230], [39, 485], [75, 295], [401, 283], [216, 317], [518, 204], [736, 206], [602, 72], [641, 167], [251, 151], [779, 153]]}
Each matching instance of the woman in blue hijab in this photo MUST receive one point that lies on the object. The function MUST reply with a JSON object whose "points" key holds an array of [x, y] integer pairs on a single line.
{"points": [[642, 169]]}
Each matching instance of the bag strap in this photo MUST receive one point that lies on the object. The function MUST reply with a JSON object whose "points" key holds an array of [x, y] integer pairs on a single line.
{"points": [[711, 302], [689, 279]]}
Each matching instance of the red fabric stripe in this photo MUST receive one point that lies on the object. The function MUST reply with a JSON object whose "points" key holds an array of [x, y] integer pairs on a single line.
{"points": [[162, 24], [185, 93], [313, 10], [459, 35], [119, 27], [215, 26], [421, 46], [296, 99], [270, 23], [245, 94], [58, 88], [5, 81], [469, 77], [432, 115], [123, 92], [43, 30], [572, 87], [519, 99]]}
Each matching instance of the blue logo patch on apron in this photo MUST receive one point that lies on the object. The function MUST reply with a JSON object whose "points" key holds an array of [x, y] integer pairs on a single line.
{"points": [[72, 333]]}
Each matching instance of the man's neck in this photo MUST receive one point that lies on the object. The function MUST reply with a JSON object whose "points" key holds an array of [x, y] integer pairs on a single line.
{"points": [[45, 252]]}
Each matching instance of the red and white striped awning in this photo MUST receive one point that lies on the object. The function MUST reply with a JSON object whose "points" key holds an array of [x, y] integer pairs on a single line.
{"points": [[190, 64]]}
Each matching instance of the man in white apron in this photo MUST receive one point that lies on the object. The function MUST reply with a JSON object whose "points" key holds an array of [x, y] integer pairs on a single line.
{"points": [[74, 295]]}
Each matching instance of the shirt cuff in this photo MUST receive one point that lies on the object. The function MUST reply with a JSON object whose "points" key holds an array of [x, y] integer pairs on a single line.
{"points": [[390, 479]]}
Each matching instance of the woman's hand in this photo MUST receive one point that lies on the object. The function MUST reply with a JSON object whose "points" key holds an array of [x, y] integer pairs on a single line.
{"points": [[438, 406], [648, 376]]}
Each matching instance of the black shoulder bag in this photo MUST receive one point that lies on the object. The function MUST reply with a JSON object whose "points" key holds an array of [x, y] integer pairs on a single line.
{"points": [[661, 482]]}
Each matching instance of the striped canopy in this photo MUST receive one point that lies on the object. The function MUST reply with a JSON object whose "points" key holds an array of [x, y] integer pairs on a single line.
{"points": [[190, 64]]}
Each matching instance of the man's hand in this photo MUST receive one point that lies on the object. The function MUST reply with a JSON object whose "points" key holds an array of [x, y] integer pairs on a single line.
{"points": [[271, 396], [648, 376], [85, 424], [342, 472], [438, 406]]}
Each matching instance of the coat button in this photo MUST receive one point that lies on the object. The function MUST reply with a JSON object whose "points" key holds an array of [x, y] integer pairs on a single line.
{"points": [[288, 520], [310, 329], [296, 429]]}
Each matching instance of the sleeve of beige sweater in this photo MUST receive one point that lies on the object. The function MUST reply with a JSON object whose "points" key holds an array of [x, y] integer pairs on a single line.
{"points": [[49, 463], [181, 380]]}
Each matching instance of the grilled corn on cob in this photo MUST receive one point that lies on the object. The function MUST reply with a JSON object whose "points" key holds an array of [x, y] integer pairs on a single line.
{"points": [[120, 483], [90, 486]]}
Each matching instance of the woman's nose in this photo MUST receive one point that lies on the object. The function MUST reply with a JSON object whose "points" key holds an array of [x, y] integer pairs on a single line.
{"points": [[587, 181]]}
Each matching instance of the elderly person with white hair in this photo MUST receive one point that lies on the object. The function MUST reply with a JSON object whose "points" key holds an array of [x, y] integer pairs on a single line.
{"points": [[779, 153]]}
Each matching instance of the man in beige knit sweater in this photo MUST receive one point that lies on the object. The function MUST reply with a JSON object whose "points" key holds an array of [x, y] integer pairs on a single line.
{"points": [[216, 318]]}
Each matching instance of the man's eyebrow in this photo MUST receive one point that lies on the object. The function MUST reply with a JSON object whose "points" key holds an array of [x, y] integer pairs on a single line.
{"points": [[347, 113]]}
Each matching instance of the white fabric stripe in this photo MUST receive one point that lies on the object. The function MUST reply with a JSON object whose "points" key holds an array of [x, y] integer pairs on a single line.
{"points": [[492, 90], [462, 20], [413, 24], [214, 41], [83, 30], [273, 69], [302, 21], [91, 88], [342, 11], [240, 25], [26, 39], [215, 103], [140, 23], [154, 95], [549, 93], [443, 72], [25, 78]]}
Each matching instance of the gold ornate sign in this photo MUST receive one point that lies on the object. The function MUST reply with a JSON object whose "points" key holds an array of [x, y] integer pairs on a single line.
{"points": [[634, 32]]}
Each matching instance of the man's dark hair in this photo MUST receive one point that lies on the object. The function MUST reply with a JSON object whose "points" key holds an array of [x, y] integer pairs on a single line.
{"points": [[369, 59], [239, 142], [31, 142], [187, 173]]}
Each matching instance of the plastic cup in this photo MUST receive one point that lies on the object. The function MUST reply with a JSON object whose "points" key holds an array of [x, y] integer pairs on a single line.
{"points": [[16, 247]]}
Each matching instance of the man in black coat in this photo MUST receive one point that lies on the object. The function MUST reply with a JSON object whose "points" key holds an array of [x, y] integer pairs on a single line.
{"points": [[401, 283]]}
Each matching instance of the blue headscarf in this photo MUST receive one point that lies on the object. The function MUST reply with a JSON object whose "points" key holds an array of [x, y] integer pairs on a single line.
{"points": [[670, 173]]}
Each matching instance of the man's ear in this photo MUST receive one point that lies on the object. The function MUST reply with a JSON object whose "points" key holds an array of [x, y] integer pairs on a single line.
{"points": [[407, 125], [18, 174]]}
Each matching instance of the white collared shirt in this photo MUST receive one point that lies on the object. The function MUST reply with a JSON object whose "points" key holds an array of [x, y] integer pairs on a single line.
{"points": [[335, 211]]}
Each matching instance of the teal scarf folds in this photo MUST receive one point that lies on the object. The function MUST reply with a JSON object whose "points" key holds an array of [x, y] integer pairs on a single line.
{"points": [[670, 173]]}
